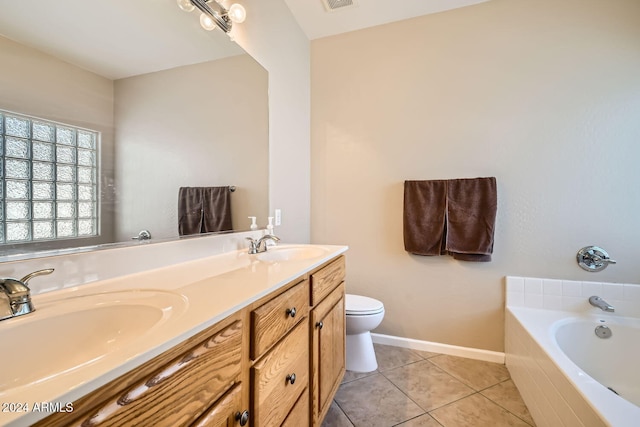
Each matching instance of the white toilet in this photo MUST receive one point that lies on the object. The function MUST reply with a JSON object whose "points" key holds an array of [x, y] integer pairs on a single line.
{"points": [[363, 315]]}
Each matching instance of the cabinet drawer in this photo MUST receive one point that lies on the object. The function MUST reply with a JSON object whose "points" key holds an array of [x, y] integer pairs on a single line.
{"points": [[274, 319], [326, 279], [223, 413], [274, 390], [178, 393], [299, 415]]}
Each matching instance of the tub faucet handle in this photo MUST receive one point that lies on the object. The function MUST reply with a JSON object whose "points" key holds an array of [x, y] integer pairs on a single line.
{"points": [[593, 258]]}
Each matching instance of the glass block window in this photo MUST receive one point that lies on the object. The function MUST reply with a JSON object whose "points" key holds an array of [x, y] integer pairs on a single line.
{"points": [[49, 177]]}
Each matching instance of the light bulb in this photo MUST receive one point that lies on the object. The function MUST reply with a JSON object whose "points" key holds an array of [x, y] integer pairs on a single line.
{"points": [[207, 23], [185, 5], [237, 13]]}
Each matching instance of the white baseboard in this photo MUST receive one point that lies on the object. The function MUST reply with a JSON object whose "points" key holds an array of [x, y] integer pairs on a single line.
{"points": [[434, 347]]}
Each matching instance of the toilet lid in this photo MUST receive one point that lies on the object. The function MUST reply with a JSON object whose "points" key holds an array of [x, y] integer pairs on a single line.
{"points": [[358, 304]]}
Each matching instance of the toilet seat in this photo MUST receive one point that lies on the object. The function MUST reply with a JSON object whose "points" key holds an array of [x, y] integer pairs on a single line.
{"points": [[358, 305]]}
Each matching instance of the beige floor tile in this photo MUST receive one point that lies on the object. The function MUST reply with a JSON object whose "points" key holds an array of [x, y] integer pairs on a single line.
{"points": [[425, 354], [422, 421], [351, 376], [477, 411], [374, 401], [390, 357], [507, 395], [336, 418], [442, 384], [474, 373], [427, 385]]}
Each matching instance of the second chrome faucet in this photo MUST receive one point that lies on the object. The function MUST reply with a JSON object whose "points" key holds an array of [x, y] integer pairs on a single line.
{"points": [[260, 245]]}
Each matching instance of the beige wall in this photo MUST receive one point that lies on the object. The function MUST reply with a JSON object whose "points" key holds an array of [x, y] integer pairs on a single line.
{"points": [[273, 37], [544, 95], [40, 85], [191, 126]]}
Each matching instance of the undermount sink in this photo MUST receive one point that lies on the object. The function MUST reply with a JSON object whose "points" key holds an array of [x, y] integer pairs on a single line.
{"points": [[292, 253], [65, 335]]}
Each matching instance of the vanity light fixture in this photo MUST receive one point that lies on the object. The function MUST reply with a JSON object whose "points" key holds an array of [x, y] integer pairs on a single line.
{"points": [[215, 14]]}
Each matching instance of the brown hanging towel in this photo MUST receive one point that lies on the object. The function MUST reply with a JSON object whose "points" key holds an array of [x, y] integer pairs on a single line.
{"points": [[425, 206], [471, 218], [217, 209], [203, 210], [454, 216]]}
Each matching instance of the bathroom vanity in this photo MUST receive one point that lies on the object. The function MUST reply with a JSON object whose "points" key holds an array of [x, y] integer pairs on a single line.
{"points": [[256, 340]]}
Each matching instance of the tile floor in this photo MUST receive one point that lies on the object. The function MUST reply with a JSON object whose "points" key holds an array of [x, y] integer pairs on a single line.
{"points": [[420, 389]]}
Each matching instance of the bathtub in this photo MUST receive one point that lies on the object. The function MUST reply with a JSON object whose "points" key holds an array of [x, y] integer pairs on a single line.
{"points": [[566, 374]]}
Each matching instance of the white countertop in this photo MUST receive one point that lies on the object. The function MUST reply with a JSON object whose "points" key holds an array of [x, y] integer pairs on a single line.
{"points": [[208, 289]]}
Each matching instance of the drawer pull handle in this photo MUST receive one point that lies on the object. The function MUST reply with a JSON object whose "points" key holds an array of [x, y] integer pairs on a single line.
{"points": [[291, 378], [243, 417], [291, 312], [320, 325]]}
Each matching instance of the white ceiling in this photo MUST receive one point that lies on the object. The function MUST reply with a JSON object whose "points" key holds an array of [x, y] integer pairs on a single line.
{"points": [[316, 22], [114, 38], [122, 38]]}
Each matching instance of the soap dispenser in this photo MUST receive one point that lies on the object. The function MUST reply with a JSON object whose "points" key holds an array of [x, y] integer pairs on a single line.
{"points": [[253, 226], [269, 232]]}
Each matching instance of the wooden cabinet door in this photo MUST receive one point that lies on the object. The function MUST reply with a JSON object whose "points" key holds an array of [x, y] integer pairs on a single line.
{"points": [[328, 351]]}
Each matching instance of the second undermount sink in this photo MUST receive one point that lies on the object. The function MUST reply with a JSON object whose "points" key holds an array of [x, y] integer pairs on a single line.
{"points": [[65, 335], [292, 253]]}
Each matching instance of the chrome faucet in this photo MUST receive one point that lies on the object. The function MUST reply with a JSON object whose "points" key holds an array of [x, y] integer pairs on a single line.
{"points": [[596, 301], [18, 295], [260, 245]]}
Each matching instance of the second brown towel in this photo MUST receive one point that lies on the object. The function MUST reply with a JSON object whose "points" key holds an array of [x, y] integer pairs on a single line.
{"points": [[203, 210], [455, 216]]}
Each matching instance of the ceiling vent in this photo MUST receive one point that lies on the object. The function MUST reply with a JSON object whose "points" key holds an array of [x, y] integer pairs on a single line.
{"points": [[333, 5]]}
